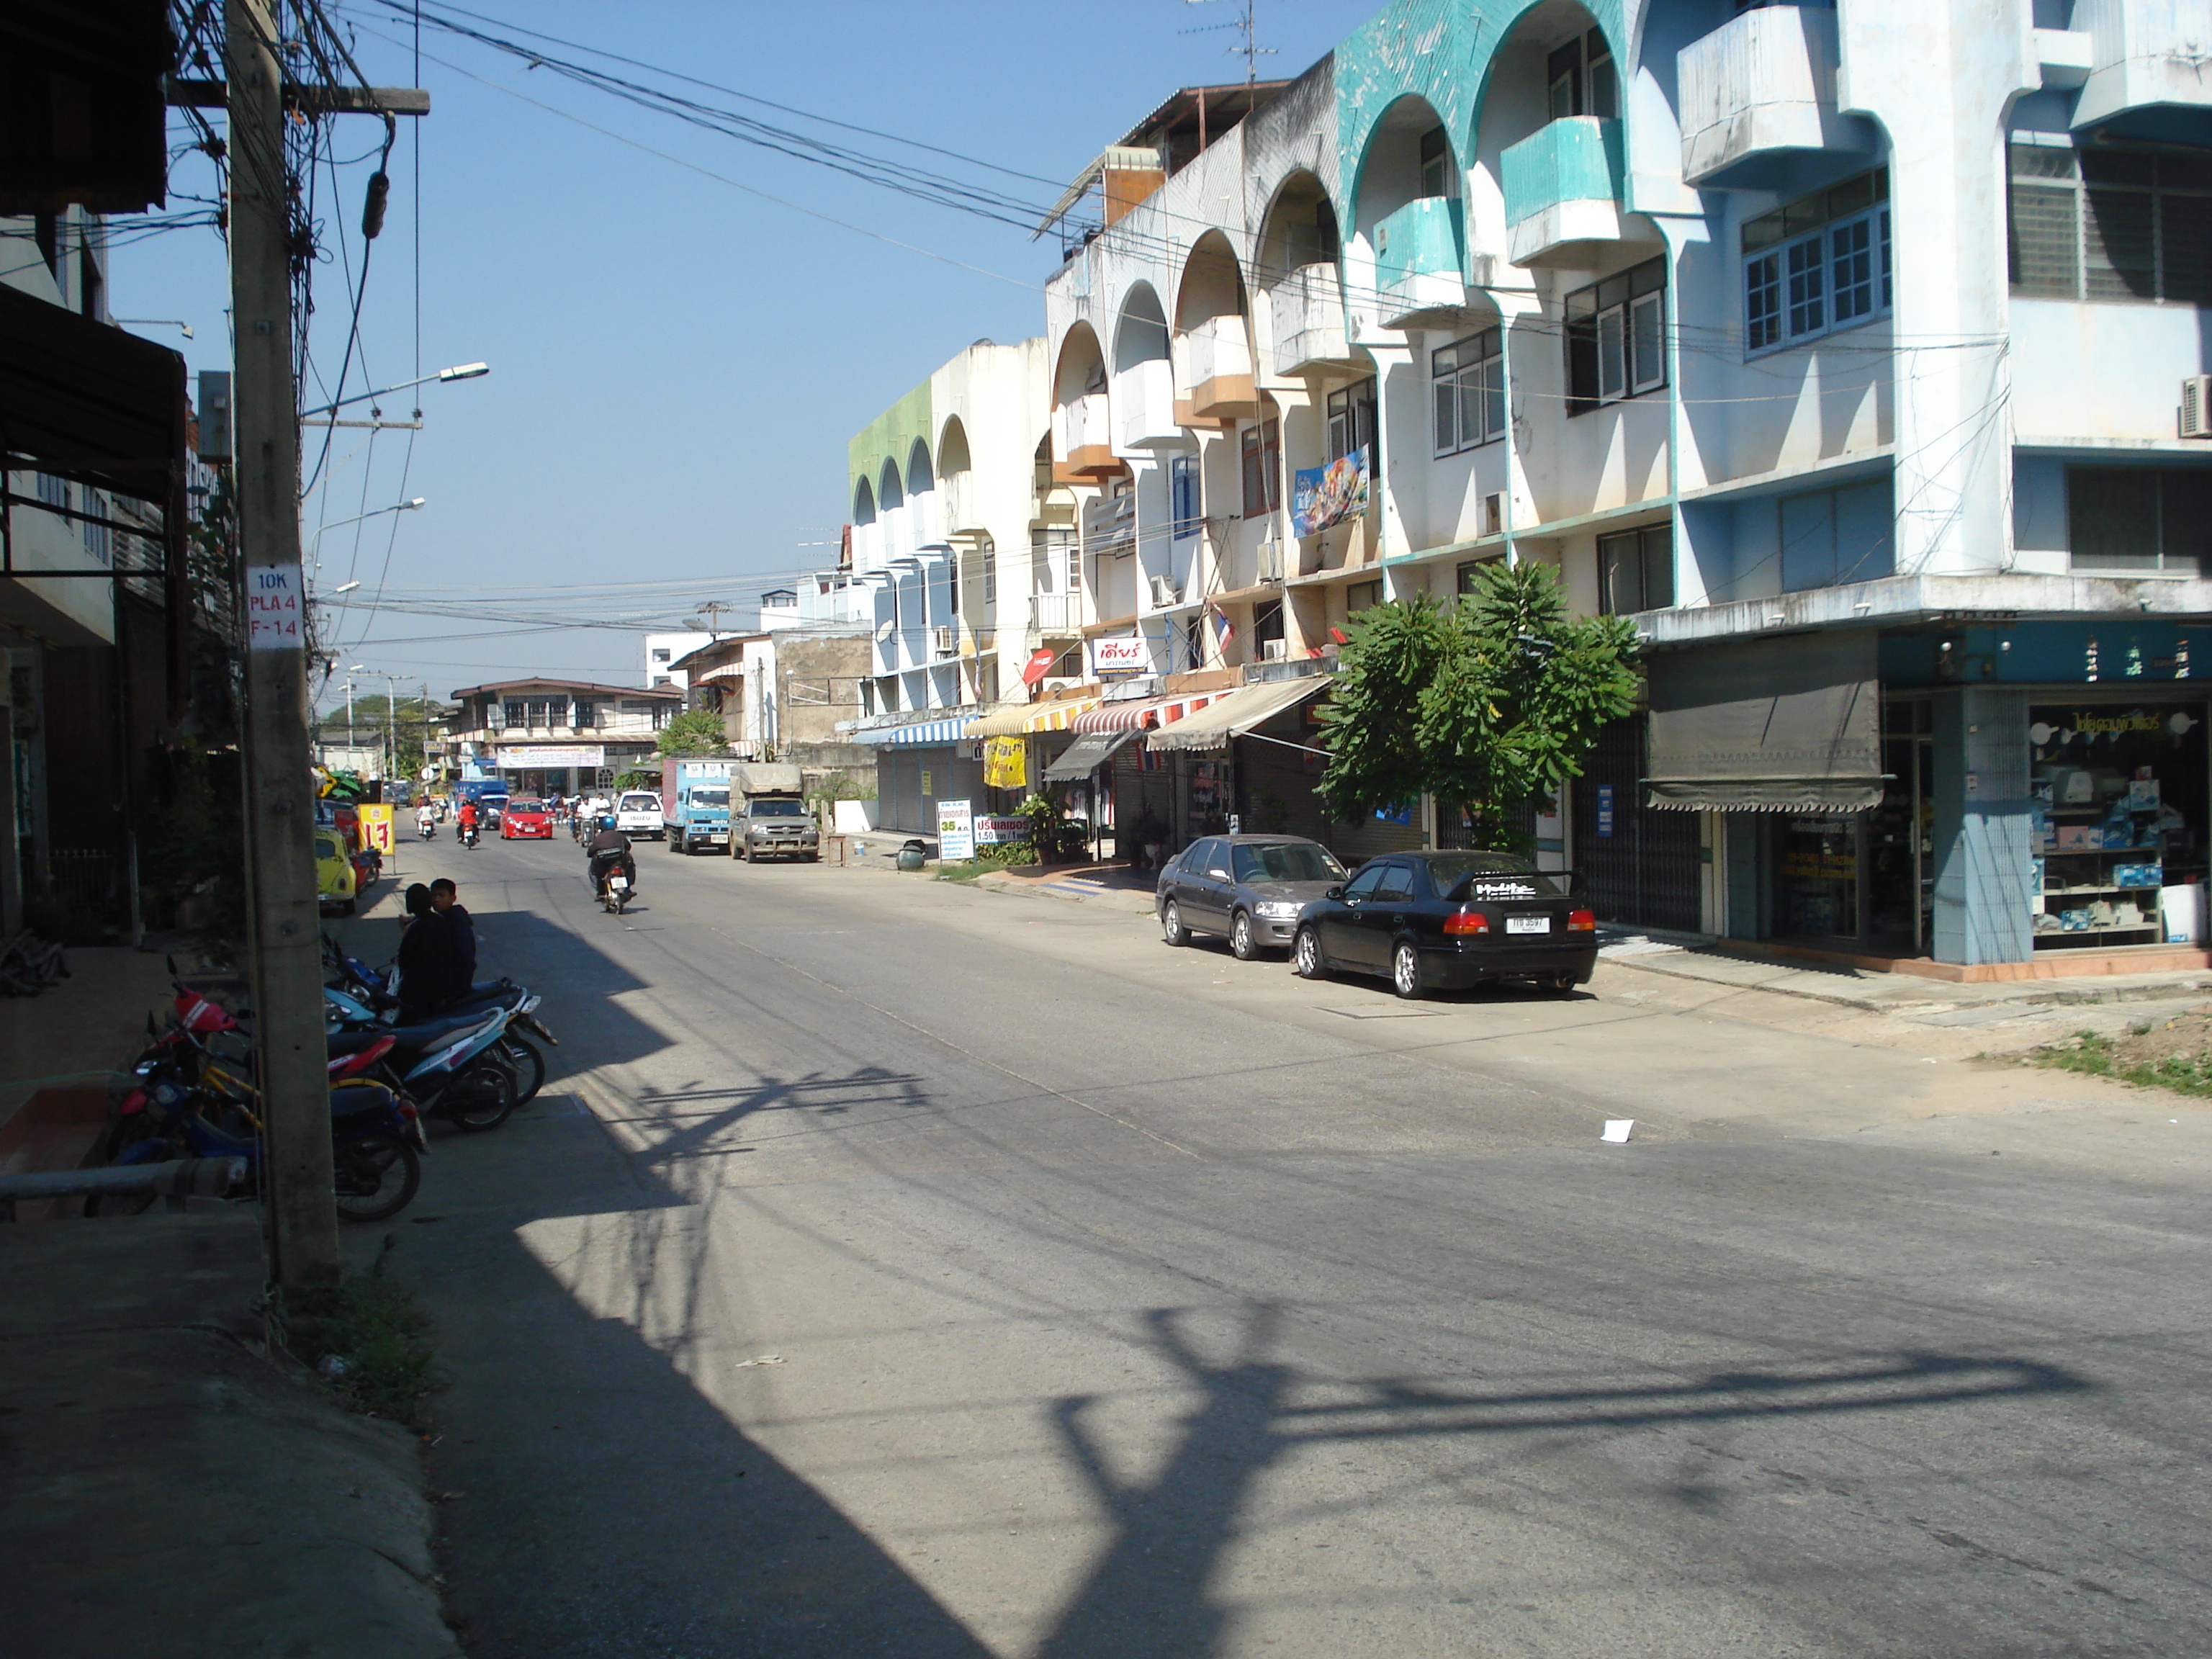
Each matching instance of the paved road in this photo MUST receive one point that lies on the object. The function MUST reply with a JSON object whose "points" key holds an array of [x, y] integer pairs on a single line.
{"points": [[907, 1272]]}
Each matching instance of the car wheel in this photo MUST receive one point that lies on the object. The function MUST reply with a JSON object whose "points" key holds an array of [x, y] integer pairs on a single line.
{"points": [[1305, 955], [1242, 945], [1171, 927], [1405, 969]]}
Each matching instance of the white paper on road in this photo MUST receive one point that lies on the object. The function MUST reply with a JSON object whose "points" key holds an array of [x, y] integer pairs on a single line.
{"points": [[1617, 1128]]}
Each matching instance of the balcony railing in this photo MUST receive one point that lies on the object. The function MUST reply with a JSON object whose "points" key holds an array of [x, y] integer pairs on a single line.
{"points": [[2144, 53], [1144, 405], [1059, 615], [1082, 436], [1562, 186], [1305, 311], [1216, 364], [1763, 82], [1420, 258]]}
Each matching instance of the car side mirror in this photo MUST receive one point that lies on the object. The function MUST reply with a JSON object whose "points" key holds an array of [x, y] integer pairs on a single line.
{"points": [[1217, 873], [1332, 893]]}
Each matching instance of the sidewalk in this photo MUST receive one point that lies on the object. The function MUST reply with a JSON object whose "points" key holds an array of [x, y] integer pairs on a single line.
{"points": [[1691, 958], [170, 1492], [1111, 886]]}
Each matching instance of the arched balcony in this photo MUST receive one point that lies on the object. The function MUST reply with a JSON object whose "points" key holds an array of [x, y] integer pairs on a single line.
{"points": [[1144, 391], [1299, 255], [1082, 434], [1749, 87], [1212, 338], [1410, 250]]}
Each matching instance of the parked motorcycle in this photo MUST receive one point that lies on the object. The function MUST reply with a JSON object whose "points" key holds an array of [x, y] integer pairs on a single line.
{"points": [[360, 997], [451, 1067]]}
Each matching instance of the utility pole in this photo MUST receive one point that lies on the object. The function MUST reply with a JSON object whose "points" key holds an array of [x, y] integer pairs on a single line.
{"points": [[712, 610], [283, 916]]}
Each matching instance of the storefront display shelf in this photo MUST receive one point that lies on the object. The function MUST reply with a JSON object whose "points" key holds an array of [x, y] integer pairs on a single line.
{"points": [[2092, 852], [2058, 892], [2089, 933]]}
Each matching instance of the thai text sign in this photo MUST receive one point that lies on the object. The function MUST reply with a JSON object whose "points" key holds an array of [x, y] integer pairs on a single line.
{"points": [[1001, 831], [956, 829], [551, 755], [375, 824], [1006, 763], [1122, 653], [1323, 496]]}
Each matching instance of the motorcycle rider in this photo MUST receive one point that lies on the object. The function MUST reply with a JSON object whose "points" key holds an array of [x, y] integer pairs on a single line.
{"points": [[425, 821], [608, 850], [467, 818]]}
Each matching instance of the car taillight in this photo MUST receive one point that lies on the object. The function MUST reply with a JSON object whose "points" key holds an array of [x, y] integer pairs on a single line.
{"points": [[1462, 921], [1582, 921]]}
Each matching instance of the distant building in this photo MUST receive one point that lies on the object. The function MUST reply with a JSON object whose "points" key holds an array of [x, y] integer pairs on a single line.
{"points": [[663, 652], [556, 735]]}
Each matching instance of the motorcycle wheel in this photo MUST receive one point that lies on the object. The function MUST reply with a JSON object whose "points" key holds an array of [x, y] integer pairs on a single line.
{"points": [[527, 1062], [378, 1176], [483, 1097]]}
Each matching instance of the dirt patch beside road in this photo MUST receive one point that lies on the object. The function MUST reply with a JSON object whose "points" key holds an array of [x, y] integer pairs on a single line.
{"points": [[2173, 1054]]}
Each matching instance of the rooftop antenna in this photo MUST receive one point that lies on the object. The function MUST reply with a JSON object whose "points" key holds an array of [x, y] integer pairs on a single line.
{"points": [[1251, 52]]}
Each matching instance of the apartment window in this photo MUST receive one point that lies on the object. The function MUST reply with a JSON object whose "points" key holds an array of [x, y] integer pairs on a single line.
{"points": [[1582, 77], [1262, 447], [1818, 264], [990, 574], [54, 491], [2140, 519], [514, 711], [1436, 163], [1830, 537], [97, 541], [1617, 338], [1362, 596], [661, 654], [1467, 382], [541, 711], [1183, 505], [1351, 420], [1635, 570], [587, 715], [2111, 224], [1469, 575]]}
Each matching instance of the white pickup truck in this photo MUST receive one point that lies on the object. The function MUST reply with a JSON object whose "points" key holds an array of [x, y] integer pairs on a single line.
{"points": [[637, 815]]}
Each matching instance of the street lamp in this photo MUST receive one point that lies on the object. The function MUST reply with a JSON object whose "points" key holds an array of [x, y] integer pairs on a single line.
{"points": [[464, 371], [315, 546]]}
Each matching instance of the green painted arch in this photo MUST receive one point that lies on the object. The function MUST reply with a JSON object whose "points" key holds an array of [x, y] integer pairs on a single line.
{"points": [[890, 437], [1444, 51]]}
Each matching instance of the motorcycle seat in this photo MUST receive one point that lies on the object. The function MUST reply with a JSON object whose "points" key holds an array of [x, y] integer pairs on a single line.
{"points": [[430, 1031]]}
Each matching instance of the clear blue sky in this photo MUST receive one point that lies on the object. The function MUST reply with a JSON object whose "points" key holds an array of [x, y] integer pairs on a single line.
{"points": [[676, 365]]}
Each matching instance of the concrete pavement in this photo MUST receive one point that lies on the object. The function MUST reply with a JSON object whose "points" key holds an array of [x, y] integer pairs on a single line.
{"points": [[903, 1269]]}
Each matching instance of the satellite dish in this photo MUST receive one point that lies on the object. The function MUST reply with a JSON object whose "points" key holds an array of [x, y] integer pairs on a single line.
{"points": [[884, 632]]}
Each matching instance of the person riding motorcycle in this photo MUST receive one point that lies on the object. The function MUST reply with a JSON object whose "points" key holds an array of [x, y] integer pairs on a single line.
{"points": [[467, 820], [425, 821], [608, 850]]}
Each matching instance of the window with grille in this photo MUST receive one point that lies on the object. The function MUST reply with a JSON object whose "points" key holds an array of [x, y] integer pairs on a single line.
{"points": [[1635, 570], [2108, 224], [1616, 338], [1819, 263], [1262, 454], [1467, 384], [588, 715], [2140, 519], [514, 711]]}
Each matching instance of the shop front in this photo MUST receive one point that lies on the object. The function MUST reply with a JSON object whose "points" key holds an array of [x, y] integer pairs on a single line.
{"points": [[1216, 782]]}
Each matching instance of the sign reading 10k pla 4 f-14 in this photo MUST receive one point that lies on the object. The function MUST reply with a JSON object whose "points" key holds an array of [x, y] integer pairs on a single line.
{"points": [[275, 619]]}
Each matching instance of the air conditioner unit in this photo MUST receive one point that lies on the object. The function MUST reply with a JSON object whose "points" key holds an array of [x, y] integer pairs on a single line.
{"points": [[1274, 651], [1165, 595], [946, 644], [1271, 561], [2197, 406]]}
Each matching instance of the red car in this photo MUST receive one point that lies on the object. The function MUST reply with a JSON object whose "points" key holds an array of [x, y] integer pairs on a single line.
{"points": [[524, 819]]}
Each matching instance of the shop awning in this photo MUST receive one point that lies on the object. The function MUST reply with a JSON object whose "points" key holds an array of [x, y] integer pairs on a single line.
{"points": [[1771, 726], [1232, 714], [1087, 755], [1023, 718], [728, 670], [1137, 714], [928, 731]]}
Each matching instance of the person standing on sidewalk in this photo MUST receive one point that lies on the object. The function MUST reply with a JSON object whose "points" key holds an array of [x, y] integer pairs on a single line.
{"points": [[446, 904]]}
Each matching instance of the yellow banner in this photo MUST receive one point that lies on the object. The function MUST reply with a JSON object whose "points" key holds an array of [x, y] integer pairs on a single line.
{"points": [[376, 825], [1006, 763]]}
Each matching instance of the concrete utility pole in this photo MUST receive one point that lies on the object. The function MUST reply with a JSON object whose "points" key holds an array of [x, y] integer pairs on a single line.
{"points": [[283, 917]]}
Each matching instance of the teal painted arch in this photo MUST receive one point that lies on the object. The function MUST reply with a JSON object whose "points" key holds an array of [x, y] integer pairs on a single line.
{"points": [[1444, 51]]}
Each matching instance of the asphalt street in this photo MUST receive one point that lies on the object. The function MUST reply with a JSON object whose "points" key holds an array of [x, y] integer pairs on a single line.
{"points": [[894, 1269]]}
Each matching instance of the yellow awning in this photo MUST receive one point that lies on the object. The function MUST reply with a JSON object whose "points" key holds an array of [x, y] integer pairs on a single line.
{"points": [[1017, 719]]}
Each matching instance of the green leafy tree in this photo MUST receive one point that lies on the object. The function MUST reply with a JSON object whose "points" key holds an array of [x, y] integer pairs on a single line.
{"points": [[1489, 704], [695, 732]]}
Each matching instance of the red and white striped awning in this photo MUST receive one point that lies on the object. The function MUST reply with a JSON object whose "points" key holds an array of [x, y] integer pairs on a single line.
{"points": [[1138, 713]]}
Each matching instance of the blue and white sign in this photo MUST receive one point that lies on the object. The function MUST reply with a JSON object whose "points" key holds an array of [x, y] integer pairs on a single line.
{"points": [[1605, 809]]}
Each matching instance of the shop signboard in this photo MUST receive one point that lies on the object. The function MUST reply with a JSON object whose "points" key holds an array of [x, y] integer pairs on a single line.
{"points": [[375, 824], [548, 756], [1122, 653], [1323, 496], [1000, 832], [1605, 809], [956, 829], [1006, 763]]}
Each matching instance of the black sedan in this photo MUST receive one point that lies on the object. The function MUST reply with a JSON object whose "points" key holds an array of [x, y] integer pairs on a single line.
{"points": [[1446, 921]]}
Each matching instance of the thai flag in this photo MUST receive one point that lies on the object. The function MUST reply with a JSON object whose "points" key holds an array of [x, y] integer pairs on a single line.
{"points": [[1224, 630]]}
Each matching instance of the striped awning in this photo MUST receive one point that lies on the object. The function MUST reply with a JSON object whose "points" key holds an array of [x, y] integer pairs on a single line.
{"points": [[929, 732], [1139, 713], [1022, 719], [1235, 713], [728, 670]]}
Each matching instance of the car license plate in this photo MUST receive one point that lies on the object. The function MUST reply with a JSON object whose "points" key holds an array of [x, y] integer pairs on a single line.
{"points": [[1528, 924]]}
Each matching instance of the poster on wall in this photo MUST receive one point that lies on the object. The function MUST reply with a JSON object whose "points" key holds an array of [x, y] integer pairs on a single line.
{"points": [[1323, 496], [956, 829], [1006, 763]]}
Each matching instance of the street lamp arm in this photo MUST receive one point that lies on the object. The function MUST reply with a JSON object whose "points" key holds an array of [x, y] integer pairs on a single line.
{"points": [[464, 372]]}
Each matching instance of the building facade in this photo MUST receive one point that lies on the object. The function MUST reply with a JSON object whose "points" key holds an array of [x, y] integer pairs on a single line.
{"points": [[557, 737]]}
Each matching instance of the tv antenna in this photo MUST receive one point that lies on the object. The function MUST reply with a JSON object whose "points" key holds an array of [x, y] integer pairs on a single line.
{"points": [[1249, 25]]}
